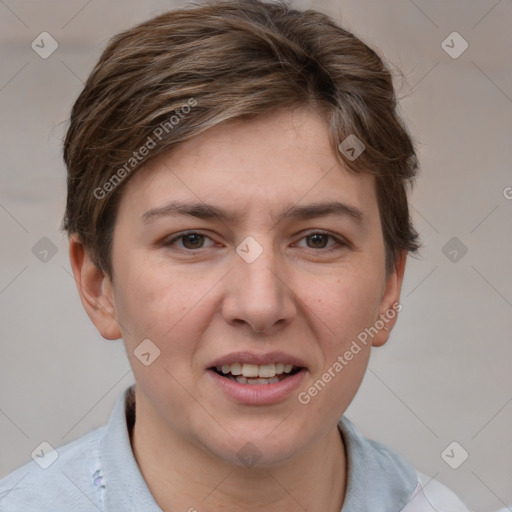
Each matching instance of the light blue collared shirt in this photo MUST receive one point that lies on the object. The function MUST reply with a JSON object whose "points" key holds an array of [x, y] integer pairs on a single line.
{"points": [[99, 472]]}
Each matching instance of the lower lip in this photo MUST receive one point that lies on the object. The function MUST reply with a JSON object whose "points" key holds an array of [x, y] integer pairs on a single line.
{"points": [[258, 394]]}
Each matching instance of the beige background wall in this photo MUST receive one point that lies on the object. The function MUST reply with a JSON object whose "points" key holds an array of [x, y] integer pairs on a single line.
{"points": [[444, 376]]}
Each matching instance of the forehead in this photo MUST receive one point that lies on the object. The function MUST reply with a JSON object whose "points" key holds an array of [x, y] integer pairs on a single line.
{"points": [[266, 163]]}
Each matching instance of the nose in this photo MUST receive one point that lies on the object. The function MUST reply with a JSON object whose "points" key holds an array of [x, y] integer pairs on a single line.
{"points": [[257, 294]]}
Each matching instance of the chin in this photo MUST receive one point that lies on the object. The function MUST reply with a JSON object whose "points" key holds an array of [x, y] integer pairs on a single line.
{"points": [[252, 449]]}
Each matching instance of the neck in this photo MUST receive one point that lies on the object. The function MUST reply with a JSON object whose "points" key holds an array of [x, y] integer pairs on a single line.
{"points": [[182, 476]]}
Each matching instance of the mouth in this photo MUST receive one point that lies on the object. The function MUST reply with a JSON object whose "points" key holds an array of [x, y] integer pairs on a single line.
{"points": [[257, 375], [249, 378]]}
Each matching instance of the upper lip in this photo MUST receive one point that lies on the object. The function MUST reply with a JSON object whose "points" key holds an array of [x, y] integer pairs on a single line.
{"points": [[259, 359]]}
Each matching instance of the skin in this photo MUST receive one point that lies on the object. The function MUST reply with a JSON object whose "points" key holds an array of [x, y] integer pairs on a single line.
{"points": [[296, 297]]}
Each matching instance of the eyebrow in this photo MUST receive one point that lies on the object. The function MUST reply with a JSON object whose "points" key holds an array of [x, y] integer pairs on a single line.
{"points": [[208, 211]]}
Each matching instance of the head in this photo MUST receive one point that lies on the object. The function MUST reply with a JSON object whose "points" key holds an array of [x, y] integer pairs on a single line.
{"points": [[215, 207]]}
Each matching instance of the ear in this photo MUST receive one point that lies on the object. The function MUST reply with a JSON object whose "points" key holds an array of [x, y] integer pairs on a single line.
{"points": [[390, 302], [95, 289]]}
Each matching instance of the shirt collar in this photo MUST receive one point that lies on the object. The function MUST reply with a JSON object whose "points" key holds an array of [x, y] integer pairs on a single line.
{"points": [[378, 479], [125, 487]]}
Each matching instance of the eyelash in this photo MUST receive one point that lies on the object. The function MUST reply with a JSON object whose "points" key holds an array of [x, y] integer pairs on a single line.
{"points": [[339, 243]]}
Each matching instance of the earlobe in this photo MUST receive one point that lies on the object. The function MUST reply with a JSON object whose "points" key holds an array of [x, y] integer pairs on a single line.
{"points": [[95, 290], [390, 303]]}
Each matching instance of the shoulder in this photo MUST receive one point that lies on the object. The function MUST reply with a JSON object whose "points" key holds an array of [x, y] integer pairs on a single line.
{"points": [[380, 480], [58, 479], [432, 496]]}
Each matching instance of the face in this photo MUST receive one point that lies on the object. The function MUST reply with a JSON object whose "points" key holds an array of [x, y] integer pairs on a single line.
{"points": [[273, 261]]}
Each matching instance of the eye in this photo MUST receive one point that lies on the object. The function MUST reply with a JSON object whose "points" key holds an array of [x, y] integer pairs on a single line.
{"points": [[190, 241], [193, 240], [319, 240]]}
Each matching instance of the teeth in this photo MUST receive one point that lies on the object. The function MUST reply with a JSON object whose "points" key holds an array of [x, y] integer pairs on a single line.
{"points": [[250, 370], [257, 381], [236, 369], [267, 370], [264, 371]]}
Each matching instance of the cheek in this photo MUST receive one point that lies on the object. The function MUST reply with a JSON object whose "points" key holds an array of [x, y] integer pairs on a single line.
{"points": [[155, 307], [163, 305], [345, 304]]}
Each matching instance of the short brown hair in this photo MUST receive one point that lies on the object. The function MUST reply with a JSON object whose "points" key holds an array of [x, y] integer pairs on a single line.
{"points": [[220, 61]]}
